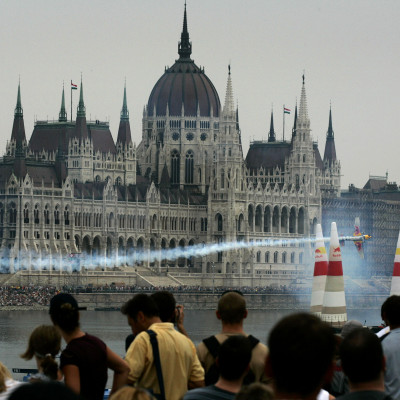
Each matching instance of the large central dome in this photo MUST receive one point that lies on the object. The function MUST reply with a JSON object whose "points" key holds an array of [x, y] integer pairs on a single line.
{"points": [[184, 84]]}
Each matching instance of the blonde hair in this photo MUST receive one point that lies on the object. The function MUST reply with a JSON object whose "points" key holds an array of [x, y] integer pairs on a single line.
{"points": [[4, 374], [131, 393]]}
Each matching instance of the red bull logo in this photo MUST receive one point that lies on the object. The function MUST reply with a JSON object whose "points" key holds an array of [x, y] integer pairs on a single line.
{"points": [[336, 252]]}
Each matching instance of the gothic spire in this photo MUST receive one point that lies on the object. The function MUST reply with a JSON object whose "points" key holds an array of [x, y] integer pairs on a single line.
{"points": [[18, 129], [229, 106], [330, 149], [18, 108], [330, 129], [271, 134], [124, 111], [81, 106], [184, 47], [62, 116], [303, 112], [124, 130]]}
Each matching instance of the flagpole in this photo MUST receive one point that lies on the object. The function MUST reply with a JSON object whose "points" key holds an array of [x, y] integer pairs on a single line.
{"points": [[71, 101], [283, 122]]}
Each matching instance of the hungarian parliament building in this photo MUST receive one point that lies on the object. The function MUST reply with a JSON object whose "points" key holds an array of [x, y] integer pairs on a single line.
{"points": [[71, 197]]}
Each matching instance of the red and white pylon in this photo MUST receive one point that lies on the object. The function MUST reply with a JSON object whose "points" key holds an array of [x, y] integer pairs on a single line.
{"points": [[320, 273], [395, 286], [334, 305]]}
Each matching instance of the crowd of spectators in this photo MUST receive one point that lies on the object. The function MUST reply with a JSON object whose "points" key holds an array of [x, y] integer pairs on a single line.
{"points": [[26, 295]]}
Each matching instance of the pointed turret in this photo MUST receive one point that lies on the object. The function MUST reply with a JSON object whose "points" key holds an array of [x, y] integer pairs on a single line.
{"points": [[330, 150], [18, 130], [303, 119], [81, 106], [81, 128], [124, 131], [62, 116], [184, 47], [229, 106], [271, 133], [294, 123]]}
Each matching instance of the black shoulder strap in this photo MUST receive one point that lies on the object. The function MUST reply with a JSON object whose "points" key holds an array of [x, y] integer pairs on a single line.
{"points": [[253, 341], [212, 345], [157, 362]]}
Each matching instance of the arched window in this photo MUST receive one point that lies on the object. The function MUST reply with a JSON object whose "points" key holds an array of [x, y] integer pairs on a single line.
{"points": [[222, 179], [292, 255], [175, 165], [218, 218], [267, 257], [189, 167], [284, 257], [275, 257], [258, 257]]}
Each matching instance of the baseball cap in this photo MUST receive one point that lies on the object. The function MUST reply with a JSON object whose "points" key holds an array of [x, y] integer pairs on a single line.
{"points": [[59, 300], [350, 326]]}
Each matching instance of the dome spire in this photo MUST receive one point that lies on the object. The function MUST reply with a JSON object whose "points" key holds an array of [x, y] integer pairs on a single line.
{"points": [[184, 47], [62, 116]]}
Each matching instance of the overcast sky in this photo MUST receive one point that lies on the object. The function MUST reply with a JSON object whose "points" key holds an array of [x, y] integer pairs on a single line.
{"points": [[348, 49]]}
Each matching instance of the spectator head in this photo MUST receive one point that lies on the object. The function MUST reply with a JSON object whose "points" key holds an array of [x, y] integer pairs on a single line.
{"points": [[166, 305], [44, 343], [139, 310], [234, 357], [390, 311], [4, 375], [231, 308], [43, 391], [255, 391], [349, 326], [301, 353], [362, 356], [131, 393], [64, 312]]}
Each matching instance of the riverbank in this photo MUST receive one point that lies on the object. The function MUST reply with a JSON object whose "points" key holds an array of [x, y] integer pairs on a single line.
{"points": [[208, 301]]}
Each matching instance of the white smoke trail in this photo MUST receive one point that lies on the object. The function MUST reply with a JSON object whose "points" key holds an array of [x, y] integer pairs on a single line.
{"points": [[70, 263]]}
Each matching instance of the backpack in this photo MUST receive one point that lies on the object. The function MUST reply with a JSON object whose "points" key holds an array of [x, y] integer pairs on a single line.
{"points": [[212, 375]]}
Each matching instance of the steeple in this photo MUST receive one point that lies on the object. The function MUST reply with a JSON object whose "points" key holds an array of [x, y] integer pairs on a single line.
{"points": [[303, 119], [81, 106], [124, 131], [62, 116], [81, 130], [229, 106], [18, 129], [295, 122], [330, 150], [184, 47], [124, 111], [18, 108], [271, 134]]}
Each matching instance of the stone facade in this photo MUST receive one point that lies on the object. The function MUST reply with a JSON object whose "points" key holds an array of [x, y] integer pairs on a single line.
{"points": [[71, 198]]}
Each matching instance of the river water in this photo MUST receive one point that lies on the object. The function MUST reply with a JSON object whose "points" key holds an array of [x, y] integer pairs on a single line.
{"points": [[112, 328]]}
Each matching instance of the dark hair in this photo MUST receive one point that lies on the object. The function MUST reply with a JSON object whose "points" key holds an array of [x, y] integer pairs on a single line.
{"points": [[64, 312], [301, 350], [43, 391], [255, 391], [362, 356], [232, 307], [44, 343], [166, 305], [234, 357], [390, 310], [140, 302]]}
